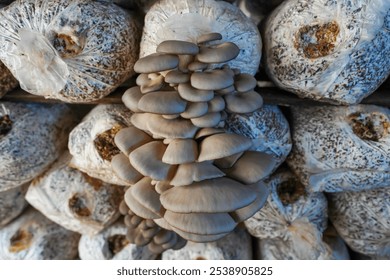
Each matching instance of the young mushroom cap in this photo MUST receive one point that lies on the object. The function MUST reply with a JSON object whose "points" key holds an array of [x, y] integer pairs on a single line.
{"points": [[192, 94], [208, 196], [177, 47], [248, 211], [211, 80], [137, 208], [188, 173], [251, 167], [181, 151], [147, 159], [222, 145], [219, 53], [163, 237], [243, 102], [195, 109], [130, 138], [207, 120], [131, 98], [156, 62], [244, 82], [177, 77], [150, 82], [162, 102], [201, 223], [209, 37], [124, 170], [143, 191]]}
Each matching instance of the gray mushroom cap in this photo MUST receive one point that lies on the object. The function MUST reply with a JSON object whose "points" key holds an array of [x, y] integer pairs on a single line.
{"points": [[208, 196], [177, 47], [222, 145], [156, 63]]}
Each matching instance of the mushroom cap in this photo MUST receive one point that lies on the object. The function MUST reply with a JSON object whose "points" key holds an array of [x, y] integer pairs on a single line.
{"points": [[219, 53], [216, 104], [202, 238], [228, 90], [177, 77], [197, 66], [143, 191], [162, 102], [208, 196], [162, 186], [147, 159], [242, 214], [244, 82], [181, 151], [201, 223], [131, 98], [209, 37], [195, 109], [188, 173], [222, 145], [164, 128], [227, 162], [156, 62], [163, 237], [207, 120], [175, 128], [177, 47], [161, 222], [251, 167], [188, 92], [207, 131], [130, 138], [243, 102], [124, 170], [139, 120], [150, 82], [211, 80], [137, 208]]}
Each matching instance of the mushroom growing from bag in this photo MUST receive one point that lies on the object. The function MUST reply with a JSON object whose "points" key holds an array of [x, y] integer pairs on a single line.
{"points": [[73, 199], [199, 180], [112, 244], [32, 136], [291, 223], [332, 51], [337, 148], [91, 142], [187, 20], [72, 50]]}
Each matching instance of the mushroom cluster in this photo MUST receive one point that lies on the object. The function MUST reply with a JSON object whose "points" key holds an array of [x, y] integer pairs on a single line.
{"points": [[188, 175]]}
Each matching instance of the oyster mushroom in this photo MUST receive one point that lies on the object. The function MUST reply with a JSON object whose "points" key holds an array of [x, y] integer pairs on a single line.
{"points": [[92, 142], [34, 237], [74, 200], [234, 246], [111, 244], [327, 50], [165, 19], [78, 65], [341, 148], [32, 136]]}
